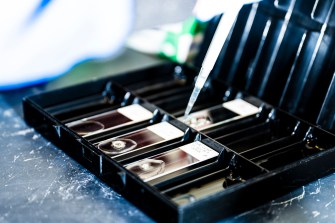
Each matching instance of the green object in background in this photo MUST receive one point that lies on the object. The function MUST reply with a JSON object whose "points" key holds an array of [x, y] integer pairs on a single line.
{"points": [[182, 40], [178, 42]]}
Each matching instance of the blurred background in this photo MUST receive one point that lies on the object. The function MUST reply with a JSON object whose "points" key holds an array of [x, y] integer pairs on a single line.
{"points": [[151, 13], [44, 40]]}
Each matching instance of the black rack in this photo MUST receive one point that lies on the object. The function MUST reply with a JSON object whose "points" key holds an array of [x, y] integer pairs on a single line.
{"points": [[279, 58]]}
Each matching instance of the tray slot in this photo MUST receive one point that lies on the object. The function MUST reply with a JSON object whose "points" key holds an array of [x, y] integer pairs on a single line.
{"points": [[115, 120], [81, 108], [142, 86], [233, 126], [205, 167], [310, 146], [163, 94], [200, 105], [160, 87], [257, 135], [176, 104], [111, 98], [174, 161], [253, 140], [285, 156], [244, 138], [212, 182], [140, 82], [270, 147], [141, 140]]}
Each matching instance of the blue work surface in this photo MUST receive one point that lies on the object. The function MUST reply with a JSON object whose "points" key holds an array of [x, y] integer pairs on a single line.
{"points": [[40, 183]]}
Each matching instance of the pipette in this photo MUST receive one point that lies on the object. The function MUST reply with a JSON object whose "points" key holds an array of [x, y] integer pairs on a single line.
{"points": [[225, 24]]}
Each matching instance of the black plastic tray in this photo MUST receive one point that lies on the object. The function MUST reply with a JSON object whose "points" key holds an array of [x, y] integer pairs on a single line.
{"points": [[269, 150]]}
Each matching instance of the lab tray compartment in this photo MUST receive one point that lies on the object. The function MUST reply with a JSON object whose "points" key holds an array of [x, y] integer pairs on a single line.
{"points": [[285, 152]]}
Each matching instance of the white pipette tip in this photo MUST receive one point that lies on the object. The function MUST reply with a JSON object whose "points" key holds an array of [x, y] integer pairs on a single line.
{"points": [[221, 33], [226, 23], [187, 111], [201, 80]]}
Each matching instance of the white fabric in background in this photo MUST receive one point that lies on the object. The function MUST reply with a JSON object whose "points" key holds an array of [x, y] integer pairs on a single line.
{"points": [[41, 43]]}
